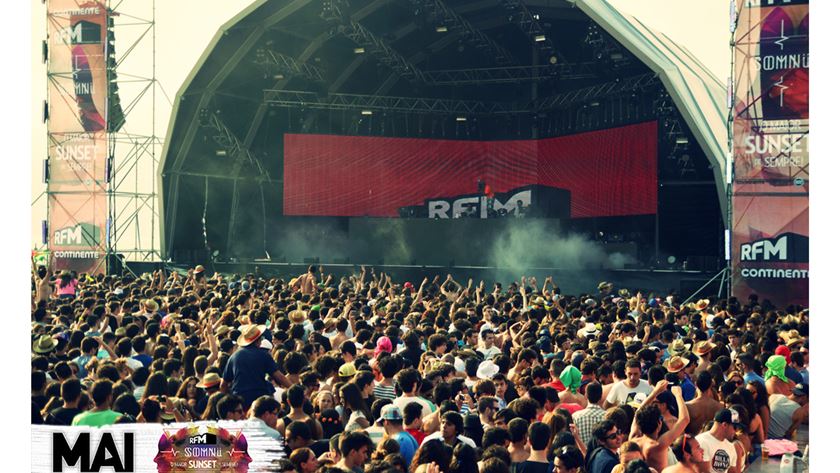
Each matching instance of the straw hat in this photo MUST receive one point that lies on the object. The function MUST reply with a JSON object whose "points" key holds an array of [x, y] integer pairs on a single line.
{"points": [[678, 347], [792, 337], [297, 316], [150, 305], [222, 331], [209, 380], [675, 364], [701, 304], [703, 347], [44, 344], [250, 334]]}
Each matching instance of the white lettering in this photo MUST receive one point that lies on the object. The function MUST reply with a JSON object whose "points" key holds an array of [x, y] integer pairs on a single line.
{"points": [[461, 206], [438, 209]]}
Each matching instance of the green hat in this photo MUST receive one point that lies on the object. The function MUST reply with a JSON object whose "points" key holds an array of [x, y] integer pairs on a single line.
{"points": [[776, 367], [570, 377]]}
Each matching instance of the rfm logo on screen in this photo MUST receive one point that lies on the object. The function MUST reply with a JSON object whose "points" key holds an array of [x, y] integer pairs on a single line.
{"points": [[107, 456]]}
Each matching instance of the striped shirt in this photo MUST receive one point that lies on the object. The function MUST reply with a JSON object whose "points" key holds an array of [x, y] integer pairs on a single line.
{"points": [[381, 391]]}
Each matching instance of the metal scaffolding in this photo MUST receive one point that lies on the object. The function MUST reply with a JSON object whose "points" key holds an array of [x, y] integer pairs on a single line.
{"points": [[134, 150], [294, 98], [279, 66], [506, 75], [443, 16]]}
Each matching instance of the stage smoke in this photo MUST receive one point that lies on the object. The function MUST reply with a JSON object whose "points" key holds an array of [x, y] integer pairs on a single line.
{"points": [[532, 245]]}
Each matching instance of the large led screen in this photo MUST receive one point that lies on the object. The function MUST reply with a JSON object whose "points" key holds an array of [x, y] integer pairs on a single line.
{"points": [[603, 173]]}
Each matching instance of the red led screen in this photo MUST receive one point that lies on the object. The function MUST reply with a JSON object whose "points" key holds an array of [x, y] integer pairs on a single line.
{"points": [[608, 172]]}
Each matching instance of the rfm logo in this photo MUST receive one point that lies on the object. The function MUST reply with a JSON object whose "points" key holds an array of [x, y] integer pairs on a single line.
{"points": [[788, 247], [106, 454]]}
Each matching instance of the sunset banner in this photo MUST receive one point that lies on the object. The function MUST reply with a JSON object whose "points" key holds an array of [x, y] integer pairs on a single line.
{"points": [[78, 143], [770, 151]]}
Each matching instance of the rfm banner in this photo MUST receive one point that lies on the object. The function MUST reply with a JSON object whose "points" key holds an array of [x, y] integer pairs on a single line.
{"points": [[606, 172], [197, 447], [770, 151], [78, 101]]}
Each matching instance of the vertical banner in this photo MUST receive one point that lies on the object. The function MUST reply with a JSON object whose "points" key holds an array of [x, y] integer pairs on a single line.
{"points": [[770, 150], [78, 142]]}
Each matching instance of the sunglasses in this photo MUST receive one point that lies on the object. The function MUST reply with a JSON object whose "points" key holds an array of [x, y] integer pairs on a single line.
{"points": [[613, 436]]}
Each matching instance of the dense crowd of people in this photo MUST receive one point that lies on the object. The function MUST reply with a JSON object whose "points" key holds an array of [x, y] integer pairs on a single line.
{"points": [[361, 373]]}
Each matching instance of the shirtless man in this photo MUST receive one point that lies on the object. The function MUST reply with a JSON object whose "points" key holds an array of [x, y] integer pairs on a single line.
{"points": [[702, 409], [689, 454], [307, 282], [647, 424]]}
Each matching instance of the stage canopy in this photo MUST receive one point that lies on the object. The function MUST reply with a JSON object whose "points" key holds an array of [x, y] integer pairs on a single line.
{"points": [[451, 69]]}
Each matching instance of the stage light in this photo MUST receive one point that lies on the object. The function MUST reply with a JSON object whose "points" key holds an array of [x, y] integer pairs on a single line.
{"points": [[359, 50], [536, 16], [682, 140], [441, 29], [595, 104], [539, 38], [460, 119], [279, 77], [616, 56], [552, 60], [367, 112], [221, 152]]}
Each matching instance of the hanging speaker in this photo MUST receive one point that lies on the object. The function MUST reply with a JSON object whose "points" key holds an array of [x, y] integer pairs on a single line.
{"points": [[46, 171], [44, 239], [46, 115], [44, 51]]}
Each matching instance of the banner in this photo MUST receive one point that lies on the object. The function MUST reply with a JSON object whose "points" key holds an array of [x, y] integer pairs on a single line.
{"points": [[770, 151], [78, 144], [195, 447], [606, 173]]}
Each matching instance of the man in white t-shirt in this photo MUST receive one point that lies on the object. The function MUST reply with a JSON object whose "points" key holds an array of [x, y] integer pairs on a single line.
{"points": [[719, 454], [409, 383], [627, 389], [488, 339]]}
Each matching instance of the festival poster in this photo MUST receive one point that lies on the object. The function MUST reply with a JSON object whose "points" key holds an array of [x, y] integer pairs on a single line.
{"points": [[78, 144], [770, 149], [78, 231]]}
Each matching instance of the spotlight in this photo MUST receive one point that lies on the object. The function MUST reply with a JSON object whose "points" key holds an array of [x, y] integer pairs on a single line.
{"points": [[552, 60], [460, 119], [539, 38], [367, 112], [221, 152], [441, 29], [359, 50], [682, 140]]}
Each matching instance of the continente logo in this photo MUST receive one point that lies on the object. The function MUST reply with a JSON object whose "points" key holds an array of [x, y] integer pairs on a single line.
{"points": [[80, 235]]}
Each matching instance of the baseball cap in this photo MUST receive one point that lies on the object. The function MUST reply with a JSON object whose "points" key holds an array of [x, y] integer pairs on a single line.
{"points": [[347, 370], [729, 416], [389, 412]]}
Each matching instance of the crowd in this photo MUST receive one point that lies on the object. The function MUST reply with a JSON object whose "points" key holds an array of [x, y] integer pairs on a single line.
{"points": [[360, 373]]}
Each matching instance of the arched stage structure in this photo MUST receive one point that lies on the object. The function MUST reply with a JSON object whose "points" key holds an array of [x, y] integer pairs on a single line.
{"points": [[290, 92]]}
